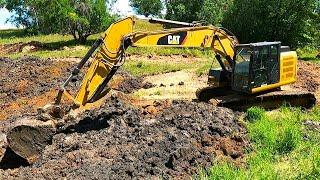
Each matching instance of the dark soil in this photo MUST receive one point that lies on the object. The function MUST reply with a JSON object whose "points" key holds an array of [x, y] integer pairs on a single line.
{"points": [[308, 77], [120, 142], [132, 83], [29, 83]]}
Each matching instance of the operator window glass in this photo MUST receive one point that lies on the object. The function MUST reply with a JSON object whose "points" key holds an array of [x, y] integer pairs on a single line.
{"points": [[241, 70], [273, 65]]}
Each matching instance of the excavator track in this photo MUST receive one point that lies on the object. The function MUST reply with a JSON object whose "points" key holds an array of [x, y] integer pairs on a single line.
{"points": [[225, 97]]}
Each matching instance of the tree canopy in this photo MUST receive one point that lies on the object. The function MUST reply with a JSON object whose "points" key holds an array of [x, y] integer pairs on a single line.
{"points": [[288, 21], [79, 18], [207, 11], [147, 7]]}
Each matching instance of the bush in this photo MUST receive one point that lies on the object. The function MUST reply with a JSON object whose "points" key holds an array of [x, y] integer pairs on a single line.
{"points": [[288, 21]]}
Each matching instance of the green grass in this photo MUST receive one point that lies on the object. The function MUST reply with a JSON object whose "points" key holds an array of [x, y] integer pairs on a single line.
{"points": [[143, 25], [160, 51], [283, 148], [56, 40], [308, 54], [146, 68]]}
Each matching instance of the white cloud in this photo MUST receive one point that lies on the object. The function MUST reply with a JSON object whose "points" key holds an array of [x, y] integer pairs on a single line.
{"points": [[4, 15], [123, 8]]}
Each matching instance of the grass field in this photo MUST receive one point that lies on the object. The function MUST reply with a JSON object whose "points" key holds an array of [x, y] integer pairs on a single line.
{"points": [[283, 147]]}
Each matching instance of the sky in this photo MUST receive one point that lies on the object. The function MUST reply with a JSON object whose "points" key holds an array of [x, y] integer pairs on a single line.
{"points": [[4, 15], [122, 7]]}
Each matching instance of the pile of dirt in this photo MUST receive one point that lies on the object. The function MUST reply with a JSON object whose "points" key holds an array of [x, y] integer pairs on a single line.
{"points": [[29, 83], [21, 47], [131, 83], [308, 77], [119, 141]]}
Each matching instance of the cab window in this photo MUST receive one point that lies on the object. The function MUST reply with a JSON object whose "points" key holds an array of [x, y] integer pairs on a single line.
{"points": [[241, 69]]}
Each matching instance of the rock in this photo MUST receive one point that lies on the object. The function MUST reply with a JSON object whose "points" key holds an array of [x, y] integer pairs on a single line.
{"points": [[181, 83], [3, 145]]}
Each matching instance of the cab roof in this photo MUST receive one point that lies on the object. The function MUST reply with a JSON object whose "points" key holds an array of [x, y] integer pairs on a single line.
{"points": [[259, 44]]}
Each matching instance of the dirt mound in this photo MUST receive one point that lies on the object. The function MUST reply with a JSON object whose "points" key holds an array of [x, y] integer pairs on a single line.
{"points": [[120, 142], [21, 47], [29, 83], [131, 83], [308, 77]]}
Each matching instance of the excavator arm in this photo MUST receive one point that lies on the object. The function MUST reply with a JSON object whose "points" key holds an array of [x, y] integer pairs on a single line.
{"points": [[109, 53]]}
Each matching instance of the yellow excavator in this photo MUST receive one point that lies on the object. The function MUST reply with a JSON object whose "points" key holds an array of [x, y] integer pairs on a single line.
{"points": [[250, 75]]}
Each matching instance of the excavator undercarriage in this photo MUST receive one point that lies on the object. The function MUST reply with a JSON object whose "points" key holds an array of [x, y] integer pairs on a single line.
{"points": [[250, 75]]}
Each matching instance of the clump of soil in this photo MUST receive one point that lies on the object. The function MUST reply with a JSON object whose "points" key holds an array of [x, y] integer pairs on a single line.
{"points": [[120, 142], [21, 47], [131, 83], [308, 77]]}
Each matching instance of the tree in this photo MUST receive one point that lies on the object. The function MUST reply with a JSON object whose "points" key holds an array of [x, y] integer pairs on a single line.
{"points": [[182, 10], [147, 7], [208, 11], [2, 3], [86, 18], [288, 21], [213, 11], [316, 25], [80, 18]]}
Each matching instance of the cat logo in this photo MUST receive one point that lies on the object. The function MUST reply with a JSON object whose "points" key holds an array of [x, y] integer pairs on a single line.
{"points": [[174, 40]]}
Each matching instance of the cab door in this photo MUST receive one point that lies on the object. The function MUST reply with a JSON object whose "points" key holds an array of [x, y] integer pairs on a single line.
{"points": [[259, 67], [265, 66]]}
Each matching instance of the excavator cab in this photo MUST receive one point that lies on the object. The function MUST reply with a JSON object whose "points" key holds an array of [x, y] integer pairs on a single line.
{"points": [[256, 65]]}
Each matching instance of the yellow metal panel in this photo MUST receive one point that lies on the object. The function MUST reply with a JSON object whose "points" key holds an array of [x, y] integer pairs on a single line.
{"points": [[288, 66], [288, 72]]}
